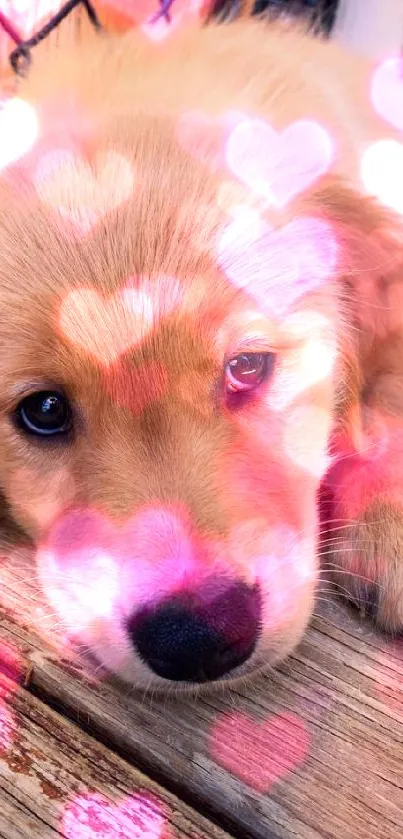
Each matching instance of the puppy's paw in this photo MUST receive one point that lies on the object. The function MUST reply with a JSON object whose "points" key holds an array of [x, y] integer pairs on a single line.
{"points": [[363, 557]]}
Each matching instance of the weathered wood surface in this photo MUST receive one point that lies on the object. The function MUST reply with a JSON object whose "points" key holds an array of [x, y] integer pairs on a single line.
{"points": [[55, 780], [314, 750]]}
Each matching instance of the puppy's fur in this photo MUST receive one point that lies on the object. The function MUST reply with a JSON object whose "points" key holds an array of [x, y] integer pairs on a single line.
{"points": [[240, 494]]}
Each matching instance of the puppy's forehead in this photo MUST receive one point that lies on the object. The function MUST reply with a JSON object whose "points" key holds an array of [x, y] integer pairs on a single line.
{"points": [[114, 232], [105, 216]]}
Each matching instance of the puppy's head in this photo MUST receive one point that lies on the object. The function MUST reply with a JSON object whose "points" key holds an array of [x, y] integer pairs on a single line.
{"points": [[171, 366]]}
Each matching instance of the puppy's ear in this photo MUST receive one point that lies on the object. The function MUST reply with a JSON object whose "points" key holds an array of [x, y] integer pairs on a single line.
{"points": [[370, 287], [364, 486]]}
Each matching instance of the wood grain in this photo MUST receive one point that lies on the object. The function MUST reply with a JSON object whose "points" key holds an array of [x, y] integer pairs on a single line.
{"points": [[50, 763], [343, 689]]}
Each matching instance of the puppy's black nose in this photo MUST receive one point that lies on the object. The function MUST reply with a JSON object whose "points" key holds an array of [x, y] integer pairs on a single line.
{"points": [[185, 641]]}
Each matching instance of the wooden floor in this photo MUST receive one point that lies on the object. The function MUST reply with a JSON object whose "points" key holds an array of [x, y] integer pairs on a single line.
{"points": [[312, 750]]}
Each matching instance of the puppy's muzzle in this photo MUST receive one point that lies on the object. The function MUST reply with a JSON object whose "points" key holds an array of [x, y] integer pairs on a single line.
{"points": [[186, 639]]}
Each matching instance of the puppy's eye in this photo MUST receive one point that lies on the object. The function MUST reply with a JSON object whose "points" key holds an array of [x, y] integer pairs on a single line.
{"points": [[248, 371], [44, 414]]}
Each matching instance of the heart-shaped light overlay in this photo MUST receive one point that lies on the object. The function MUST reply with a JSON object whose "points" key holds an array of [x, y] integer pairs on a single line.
{"points": [[106, 327], [80, 193], [382, 172], [387, 91], [93, 816], [277, 266], [278, 165], [259, 753], [11, 672], [18, 130], [28, 15]]}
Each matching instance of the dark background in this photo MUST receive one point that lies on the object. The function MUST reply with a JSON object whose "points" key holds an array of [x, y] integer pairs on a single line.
{"points": [[319, 14]]}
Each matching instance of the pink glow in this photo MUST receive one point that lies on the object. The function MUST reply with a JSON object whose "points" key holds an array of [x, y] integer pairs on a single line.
{"points": [[11, 674], [159, 30], [93, 816], [259, 753], [135, 388], [279, 165], [181, 12], [79, 571], [305, 436], [133, 9], [10, 663], [236, 199], [387, 91], [18, 130], [82, 195], [279, 559], [160, 537], [310, 363], [382, 172], [106, 327], [28, 16], [89, 563], [277, 267]]}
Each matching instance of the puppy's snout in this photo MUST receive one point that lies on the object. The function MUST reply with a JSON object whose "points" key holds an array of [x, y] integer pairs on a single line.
{"points": [[186, 639]]}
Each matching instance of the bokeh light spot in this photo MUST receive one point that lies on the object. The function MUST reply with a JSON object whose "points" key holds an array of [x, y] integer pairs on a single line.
{"points": [[27, 16], [259, 753], [305, 437], [135, 388], [382, 172], [387, 91], [278, 165], [277, 266], [106, 327], [308, 364], [82, 195], [93, 816], [18, 130]]}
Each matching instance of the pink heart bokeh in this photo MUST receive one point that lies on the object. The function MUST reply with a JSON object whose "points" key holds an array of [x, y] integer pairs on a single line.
{"points": [[18, 130], [279, 165], [93, 816], [387, 91], [80, 194], [259, 753], [382, 172], [278, 266], [27, 16], [135, 388], [12, 669], [88, 561], [106, 327]]}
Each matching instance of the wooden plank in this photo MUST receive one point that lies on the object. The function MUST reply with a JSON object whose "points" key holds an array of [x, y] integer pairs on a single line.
{"points": [[55, 780], [312, 750]]}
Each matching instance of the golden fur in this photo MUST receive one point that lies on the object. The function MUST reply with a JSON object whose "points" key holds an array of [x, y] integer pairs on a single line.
{"points": [[127, 94]]}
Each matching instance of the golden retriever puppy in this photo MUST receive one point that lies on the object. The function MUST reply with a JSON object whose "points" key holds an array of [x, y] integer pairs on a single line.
{"points": [[201, 328]]}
